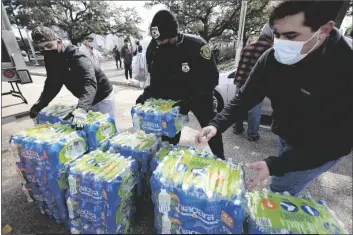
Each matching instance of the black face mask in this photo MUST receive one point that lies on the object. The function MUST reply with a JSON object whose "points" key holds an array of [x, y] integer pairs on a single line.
{"points": [[50, 53]]}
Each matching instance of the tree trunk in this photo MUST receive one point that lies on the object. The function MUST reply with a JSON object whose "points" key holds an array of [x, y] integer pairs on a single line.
{"points": [[245, 39], [342, 13]]}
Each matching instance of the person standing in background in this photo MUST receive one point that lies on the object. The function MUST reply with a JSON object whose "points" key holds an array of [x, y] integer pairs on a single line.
{"points": [[140, 68], [139, 48], [87, 48], [126, 54], [249, 56], [117, 57]]}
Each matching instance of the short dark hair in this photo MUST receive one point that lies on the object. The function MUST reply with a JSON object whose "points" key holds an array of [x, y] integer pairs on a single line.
{"points": [[316, 13], [89, 38], [43, 34], [137, 43], [125, 40]]}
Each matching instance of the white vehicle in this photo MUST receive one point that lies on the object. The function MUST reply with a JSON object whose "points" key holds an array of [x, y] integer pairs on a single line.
{"points": [[226, 90], [13, 67]]}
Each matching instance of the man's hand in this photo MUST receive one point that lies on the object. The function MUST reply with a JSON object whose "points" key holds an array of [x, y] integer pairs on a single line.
{"points": [[262, 176], [79, 118], [205, 134], [33, 112], [140, 100], [184, 106]]}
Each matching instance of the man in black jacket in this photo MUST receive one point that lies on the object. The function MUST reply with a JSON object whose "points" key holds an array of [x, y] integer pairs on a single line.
{"points": [[66, 65], [308, 76], [126, 54], [138, 48], [183, 69], [116, 54]]}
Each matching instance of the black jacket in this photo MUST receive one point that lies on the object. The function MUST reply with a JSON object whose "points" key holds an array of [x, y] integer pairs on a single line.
{"points": [[180, 71], [312, 104], [116, 53], [80, 76], [126, 54]]}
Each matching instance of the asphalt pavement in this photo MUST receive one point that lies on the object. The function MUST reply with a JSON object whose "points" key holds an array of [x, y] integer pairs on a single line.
{"points": [[334, 186]]}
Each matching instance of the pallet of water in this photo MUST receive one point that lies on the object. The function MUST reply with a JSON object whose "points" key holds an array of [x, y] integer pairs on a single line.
{"points": [[159, 117], [101, 193], [197, 195], [98, 127], [274, 213], [139, 146], [43, 152]]}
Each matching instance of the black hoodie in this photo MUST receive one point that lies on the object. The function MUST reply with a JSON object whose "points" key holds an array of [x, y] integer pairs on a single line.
{"points": [[81, 77], [312, 104]]}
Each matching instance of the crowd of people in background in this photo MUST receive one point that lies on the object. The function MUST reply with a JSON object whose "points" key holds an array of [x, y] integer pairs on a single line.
{"points": [[126, 53]]}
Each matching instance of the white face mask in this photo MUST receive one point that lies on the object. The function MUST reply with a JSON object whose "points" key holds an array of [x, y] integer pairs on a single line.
{"points": [[288, 52]]}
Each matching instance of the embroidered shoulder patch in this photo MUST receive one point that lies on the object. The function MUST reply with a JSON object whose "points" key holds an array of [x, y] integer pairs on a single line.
{"points": [[206, 52]]}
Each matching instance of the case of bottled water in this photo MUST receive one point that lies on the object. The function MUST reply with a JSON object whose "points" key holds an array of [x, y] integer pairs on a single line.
{"points": [[166, 148], [197, 195], [274, 213], [99, 127], [141, 147], [100, 195], [159, 117], [43, 152]]}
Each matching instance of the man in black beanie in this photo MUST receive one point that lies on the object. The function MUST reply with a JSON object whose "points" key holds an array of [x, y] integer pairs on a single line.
{"points": [[183, 69]]}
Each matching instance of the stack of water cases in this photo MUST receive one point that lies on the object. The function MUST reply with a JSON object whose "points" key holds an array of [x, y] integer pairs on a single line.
{"points": [[99, 127], [166, 148], [43, 151], [197, 195], [100, 199], [159, 117], [273, 213], [141, 147]]}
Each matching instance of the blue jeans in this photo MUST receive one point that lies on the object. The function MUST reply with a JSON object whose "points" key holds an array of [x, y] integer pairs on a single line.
{"points": [[254, 116], [105, 106], [295, 182]]}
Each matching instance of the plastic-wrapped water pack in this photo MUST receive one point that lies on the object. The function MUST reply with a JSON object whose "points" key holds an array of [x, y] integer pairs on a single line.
{"points": [[198, 195], [44, 151], [99, 127], [159, 117], [100, 199], [166, 148], [274, 213], [141, 147]]}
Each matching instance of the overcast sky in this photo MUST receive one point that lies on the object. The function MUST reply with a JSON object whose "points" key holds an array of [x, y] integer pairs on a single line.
{"points": [[146, 14]]}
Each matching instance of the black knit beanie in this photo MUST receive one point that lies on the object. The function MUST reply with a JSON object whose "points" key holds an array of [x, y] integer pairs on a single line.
{"points": [[164, 25]]}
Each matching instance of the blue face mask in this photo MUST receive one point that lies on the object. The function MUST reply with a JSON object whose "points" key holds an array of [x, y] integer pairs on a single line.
{"points": [[288, 52]]}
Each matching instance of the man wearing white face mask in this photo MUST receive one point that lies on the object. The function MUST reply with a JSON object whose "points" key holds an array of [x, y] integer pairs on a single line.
{"points": [[308, 76]]}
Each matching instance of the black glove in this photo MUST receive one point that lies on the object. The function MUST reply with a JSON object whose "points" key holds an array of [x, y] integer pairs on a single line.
{"points": [[140, 100], [33, 112], [184, 105]]}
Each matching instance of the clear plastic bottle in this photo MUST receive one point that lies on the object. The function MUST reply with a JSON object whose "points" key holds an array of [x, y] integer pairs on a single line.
{"points": [[72, 185], [25, 190], [166, 224], [70, 208], [164, 202]]}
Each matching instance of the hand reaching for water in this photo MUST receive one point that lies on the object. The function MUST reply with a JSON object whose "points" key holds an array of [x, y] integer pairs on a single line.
{"points": [[205, 134]]}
